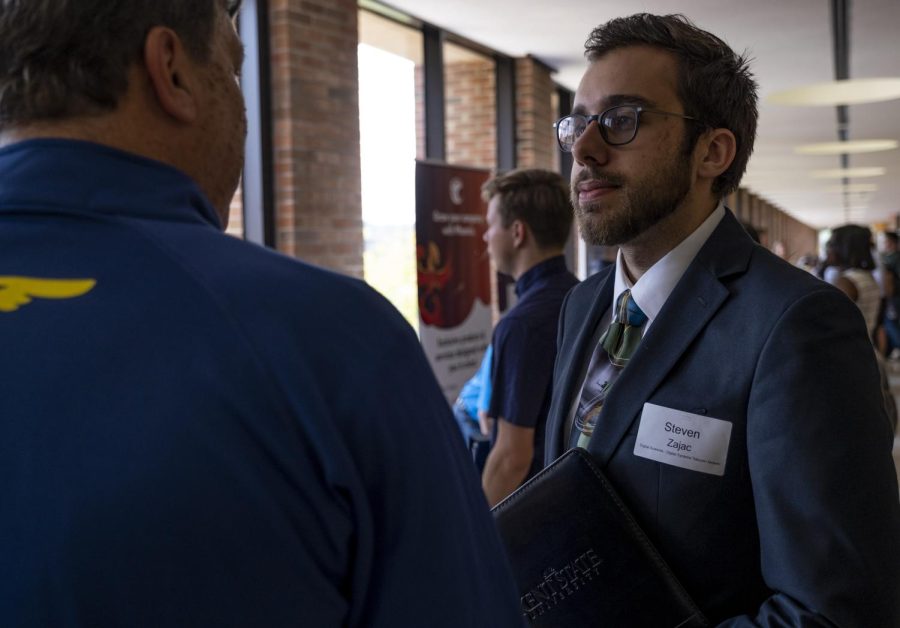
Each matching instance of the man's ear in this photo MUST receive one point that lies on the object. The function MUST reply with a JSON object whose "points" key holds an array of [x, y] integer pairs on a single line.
{"points": [[718, 149], [519, 233], [170, 68]]}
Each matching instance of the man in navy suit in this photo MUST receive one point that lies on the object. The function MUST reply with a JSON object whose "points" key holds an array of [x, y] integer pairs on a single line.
{"points": [[746, 431]]}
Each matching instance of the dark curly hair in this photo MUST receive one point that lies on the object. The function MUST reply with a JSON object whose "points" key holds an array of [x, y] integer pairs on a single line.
{"points": [[851, 247], [714, 84]]}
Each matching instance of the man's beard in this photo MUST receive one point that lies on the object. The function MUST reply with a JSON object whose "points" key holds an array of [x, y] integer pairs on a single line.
{"points": [[638, 208]]}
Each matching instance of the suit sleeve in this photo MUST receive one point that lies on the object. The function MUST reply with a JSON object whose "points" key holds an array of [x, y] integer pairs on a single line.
{"points": [[824, 486]]}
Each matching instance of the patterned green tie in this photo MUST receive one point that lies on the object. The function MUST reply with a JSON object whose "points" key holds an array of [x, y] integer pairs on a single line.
{"points": [[619, 342], [624, 333]]}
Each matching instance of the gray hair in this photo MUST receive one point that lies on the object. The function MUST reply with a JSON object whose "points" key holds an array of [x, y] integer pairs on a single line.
{"points": [[63, 58]]}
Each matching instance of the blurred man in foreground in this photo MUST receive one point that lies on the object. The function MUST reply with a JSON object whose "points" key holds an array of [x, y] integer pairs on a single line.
{"points": [[194, 431]]}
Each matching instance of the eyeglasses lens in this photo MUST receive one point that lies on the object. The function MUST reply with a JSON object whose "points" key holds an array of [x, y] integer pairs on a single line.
{"points": [[569, 130], [619, 125]]}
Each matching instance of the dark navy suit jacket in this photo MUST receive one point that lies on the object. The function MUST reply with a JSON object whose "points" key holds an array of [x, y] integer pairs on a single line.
{"points": [[803, 528]]}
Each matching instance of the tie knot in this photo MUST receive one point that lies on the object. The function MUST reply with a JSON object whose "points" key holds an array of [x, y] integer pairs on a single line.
{"points": [[628, 312]]}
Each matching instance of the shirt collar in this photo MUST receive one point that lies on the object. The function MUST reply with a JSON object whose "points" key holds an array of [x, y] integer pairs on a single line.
{"points": [[654, 287], [548, 267], [84, 177]]}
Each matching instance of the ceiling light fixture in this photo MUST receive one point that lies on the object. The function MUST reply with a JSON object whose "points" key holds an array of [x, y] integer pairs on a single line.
{"points": [[851, 147], [854, 188], [849, 173], [846, 92]]}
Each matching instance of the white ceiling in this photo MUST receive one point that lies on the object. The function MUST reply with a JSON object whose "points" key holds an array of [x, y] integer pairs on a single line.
{"points": [[790, 42]]}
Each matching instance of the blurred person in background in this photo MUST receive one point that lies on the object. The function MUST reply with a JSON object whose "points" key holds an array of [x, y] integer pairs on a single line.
{"points": [[851, 255], [851, 250], [890, 277], [529, 219], [470, 410]]}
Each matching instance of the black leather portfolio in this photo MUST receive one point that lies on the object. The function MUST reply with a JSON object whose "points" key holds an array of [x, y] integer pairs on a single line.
{"points": [[581, 560]]}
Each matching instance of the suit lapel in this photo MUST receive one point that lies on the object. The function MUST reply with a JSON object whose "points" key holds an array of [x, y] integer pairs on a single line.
{"points": [[696, 298]]}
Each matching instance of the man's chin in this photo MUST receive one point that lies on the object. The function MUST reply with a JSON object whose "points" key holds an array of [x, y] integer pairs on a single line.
{"points": [[593, 229]]}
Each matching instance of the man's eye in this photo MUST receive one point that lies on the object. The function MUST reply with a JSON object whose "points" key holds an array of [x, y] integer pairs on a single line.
{"points": [[619, 122]]}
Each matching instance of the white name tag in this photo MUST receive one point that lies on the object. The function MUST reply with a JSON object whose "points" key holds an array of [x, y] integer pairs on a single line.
{"points": [[682, 439]]}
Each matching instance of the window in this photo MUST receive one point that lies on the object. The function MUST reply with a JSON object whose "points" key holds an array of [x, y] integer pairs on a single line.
{"points": [[391, 137]]}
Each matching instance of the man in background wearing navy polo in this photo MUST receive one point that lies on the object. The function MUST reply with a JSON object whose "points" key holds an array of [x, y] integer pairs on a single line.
{"points": [[196, 431], [529, 218]]}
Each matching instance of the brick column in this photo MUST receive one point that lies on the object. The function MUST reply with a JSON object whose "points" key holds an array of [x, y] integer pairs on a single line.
{"points": [[471, 113], [534, 114], [315, 102]]}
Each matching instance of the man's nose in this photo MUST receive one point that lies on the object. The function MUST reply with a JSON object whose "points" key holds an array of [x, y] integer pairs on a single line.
{"points": [[590, 148]]}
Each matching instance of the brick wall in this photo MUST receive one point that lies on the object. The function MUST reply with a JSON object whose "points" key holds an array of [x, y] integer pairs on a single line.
{"points": [[471, 113], [315, 102], [420, 111], [534, 114], [471, 123]]}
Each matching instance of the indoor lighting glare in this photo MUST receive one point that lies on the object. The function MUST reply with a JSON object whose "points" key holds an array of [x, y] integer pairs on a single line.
{"points": [[851, 147], [854, 188], [847, 92], [849, 173]]}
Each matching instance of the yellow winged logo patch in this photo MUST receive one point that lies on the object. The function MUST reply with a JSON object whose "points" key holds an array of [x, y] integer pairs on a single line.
{"points": [[18, 291]]}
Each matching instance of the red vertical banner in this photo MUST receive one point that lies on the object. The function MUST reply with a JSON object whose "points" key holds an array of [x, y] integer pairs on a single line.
{"points": [[453, 271]]}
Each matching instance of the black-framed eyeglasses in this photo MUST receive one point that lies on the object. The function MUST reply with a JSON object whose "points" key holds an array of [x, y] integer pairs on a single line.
{"points": [[617, 125]]}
